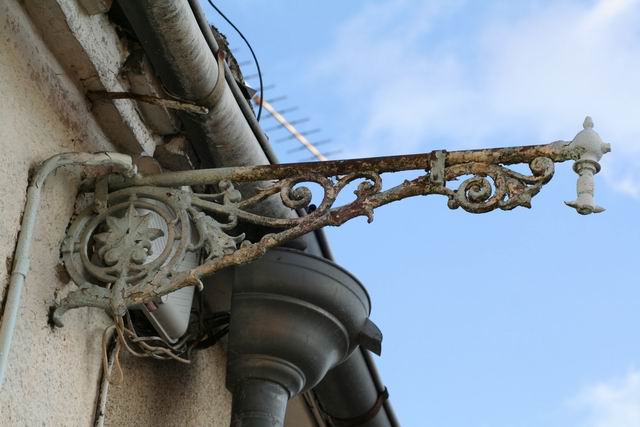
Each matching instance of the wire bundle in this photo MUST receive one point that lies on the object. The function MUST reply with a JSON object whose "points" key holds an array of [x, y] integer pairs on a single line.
{"points": [[205, 333]]}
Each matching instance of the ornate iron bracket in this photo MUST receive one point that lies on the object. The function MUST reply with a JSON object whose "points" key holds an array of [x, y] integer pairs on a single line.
{"points": [[128, 248]]}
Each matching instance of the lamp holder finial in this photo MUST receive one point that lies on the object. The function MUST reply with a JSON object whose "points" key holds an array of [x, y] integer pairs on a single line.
{"points": [[591, 149]]}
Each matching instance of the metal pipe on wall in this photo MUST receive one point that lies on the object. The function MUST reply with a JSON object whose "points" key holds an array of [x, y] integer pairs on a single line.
{"points": [[224, 136], [20, 267], [354, 374], [189, 70], [258, 403], [237, 93]]}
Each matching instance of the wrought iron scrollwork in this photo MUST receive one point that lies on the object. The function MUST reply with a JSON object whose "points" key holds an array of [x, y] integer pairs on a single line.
{"points": [[493, 186], [129, 249], [130, 252]]}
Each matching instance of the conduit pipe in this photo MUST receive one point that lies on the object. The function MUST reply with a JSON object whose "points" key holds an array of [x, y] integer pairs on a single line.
{"points": [[120, 162]]}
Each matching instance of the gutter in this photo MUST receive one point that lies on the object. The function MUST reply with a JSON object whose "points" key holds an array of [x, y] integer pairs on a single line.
{"points": [[178, 41], [244, 105], [188, 69]]}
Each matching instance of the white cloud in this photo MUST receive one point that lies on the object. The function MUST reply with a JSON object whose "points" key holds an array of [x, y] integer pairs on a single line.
{"points": [[611, 404], [427, 73]]}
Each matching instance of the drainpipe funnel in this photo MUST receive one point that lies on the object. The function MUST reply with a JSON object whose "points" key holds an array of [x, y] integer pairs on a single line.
{"points": [[294, 316]]}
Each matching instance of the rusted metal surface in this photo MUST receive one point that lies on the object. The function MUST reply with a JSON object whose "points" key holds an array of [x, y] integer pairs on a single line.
{"points": [[557, 152], [207, 221], [107, 251], [163, 102]]}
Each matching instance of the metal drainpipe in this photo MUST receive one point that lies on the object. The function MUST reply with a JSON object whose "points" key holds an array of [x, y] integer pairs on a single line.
{"points": [[233, 85], [188, 69], [349, 391], [173, 40], [258, 403], [360, 363], [20, 267], [175, 45]]}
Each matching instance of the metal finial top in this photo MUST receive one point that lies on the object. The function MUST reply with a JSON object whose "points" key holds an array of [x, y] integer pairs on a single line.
{"points": [[588, 123]]}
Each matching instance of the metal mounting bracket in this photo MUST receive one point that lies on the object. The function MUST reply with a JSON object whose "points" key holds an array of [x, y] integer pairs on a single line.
{"points": [[108, 250]]}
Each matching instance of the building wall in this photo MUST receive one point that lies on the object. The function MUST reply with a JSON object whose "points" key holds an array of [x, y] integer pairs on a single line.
{"points": [[54, 376], [171, 394]]}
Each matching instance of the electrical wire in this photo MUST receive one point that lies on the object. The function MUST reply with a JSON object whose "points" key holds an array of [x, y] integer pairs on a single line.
{"points": [[211, 330], [250, 49]]}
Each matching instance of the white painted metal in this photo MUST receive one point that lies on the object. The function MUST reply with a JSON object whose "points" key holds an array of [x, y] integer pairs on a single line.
{"points": [[587, 166]]}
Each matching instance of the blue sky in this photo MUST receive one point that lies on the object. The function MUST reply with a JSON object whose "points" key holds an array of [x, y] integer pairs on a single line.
{"points": [[506, 319]]}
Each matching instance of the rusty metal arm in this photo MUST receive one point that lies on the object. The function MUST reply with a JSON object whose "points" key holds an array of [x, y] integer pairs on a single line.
{"points": [[557, 152], [108, 248]]}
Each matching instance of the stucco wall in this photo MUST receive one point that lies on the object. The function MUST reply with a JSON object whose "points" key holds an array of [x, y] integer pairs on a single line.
{"points": [[53, 376], [171, 394]]}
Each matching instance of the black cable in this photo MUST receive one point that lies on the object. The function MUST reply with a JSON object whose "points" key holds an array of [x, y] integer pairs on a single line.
{"points": [[213, 338], [250, 49]]}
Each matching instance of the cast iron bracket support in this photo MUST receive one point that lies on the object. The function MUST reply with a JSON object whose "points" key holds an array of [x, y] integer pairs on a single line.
{"points": [[108, 250]]}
